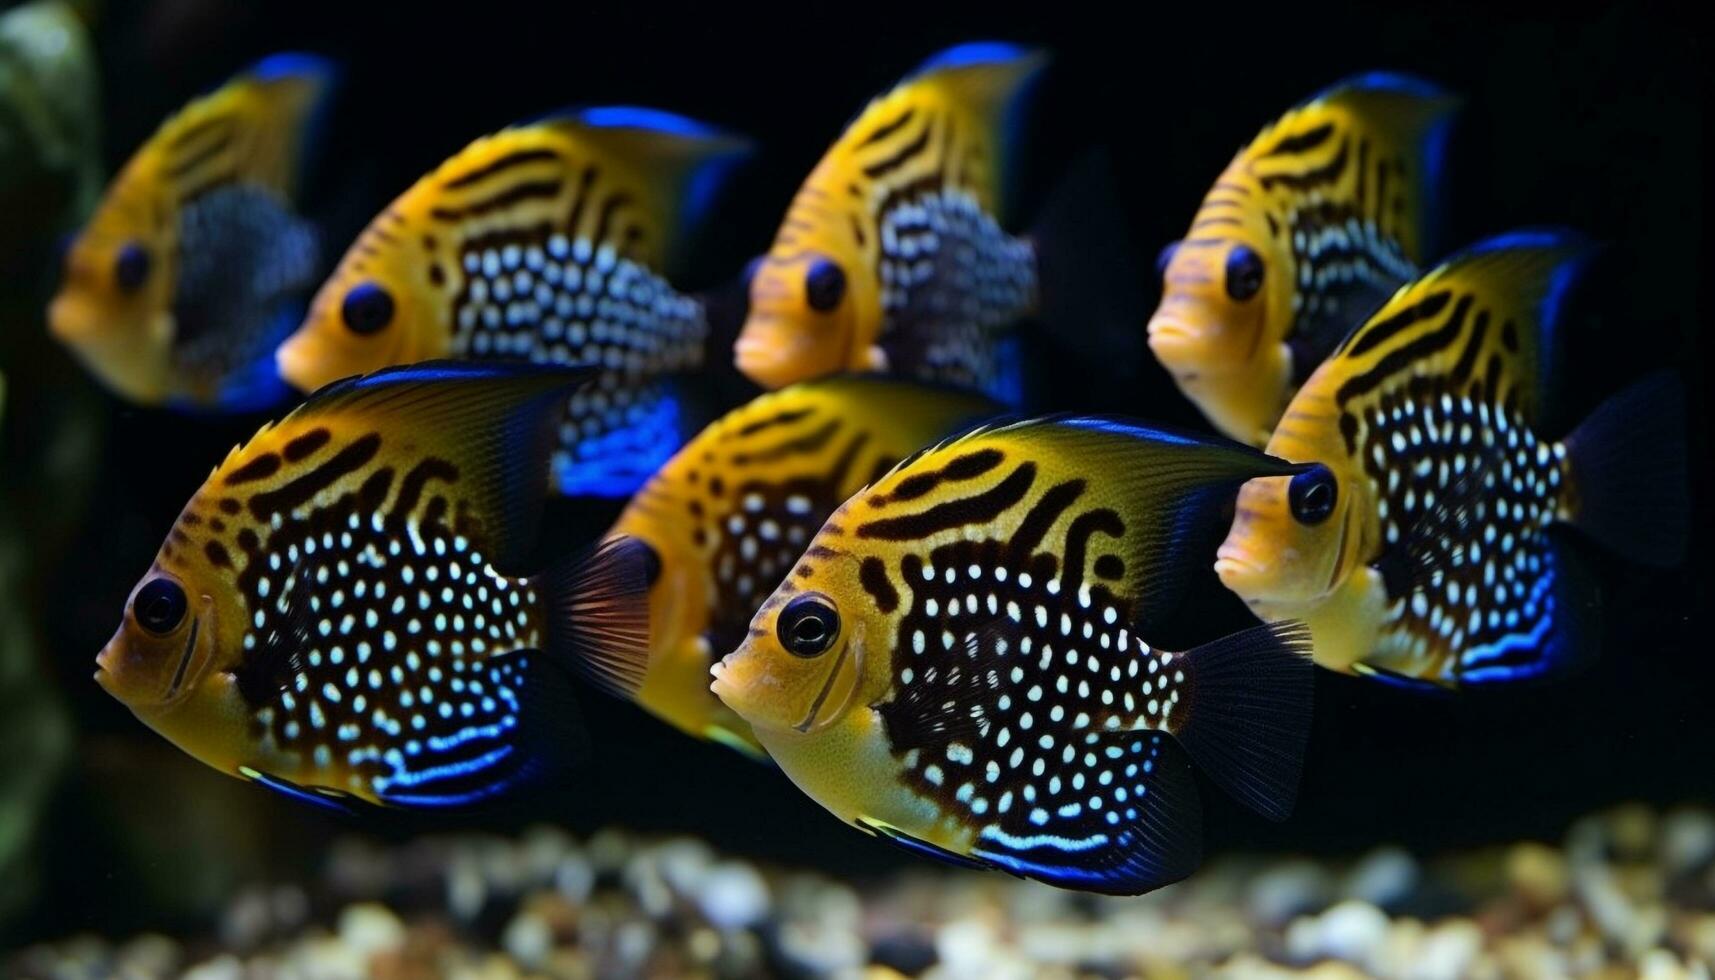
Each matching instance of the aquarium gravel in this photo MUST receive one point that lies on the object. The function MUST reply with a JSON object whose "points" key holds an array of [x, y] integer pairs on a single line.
{"points": [[1628, 893]]}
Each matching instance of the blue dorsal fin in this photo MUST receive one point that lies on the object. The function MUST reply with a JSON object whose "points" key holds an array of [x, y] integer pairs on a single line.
{"points": [[685, 162], [995, 79]]}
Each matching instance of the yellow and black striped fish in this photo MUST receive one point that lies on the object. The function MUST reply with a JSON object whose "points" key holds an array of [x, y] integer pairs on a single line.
{"points": [[189, 272], [727, 517], [891, 257], [546, 242], [1421, 545], [343, 611], [960, 660], [1306, 232]]}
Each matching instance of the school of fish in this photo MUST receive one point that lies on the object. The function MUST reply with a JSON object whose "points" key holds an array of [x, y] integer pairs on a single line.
{"points": [[932, 602]]}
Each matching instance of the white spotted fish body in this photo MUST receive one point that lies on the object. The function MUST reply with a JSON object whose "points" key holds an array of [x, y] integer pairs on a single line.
{"points": [[548, 242], [960, 662], [728, 516], [1421, 543], [341, 612]]}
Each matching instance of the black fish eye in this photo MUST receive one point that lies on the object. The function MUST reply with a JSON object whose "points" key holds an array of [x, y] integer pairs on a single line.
{"points": [[159, 606], [131, 268], [808, 625], [1244, 273], [367, 308], [1166, 257], [1311, 495], [824, 286]]}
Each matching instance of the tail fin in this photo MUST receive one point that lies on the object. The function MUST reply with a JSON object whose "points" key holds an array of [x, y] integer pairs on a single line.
{"points": [[1410, 118], [598, 614], [1250, 709], [683, 163], [1629, 472], [1089, 300]]}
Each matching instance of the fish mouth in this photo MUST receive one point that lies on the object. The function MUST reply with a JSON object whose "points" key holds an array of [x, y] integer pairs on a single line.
{"points": [[1176, 345], [763, 361], [297, 365], [1238, 573]]}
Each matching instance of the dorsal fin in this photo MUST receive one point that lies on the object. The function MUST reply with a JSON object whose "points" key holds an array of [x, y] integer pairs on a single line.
{"points": [[1521, 279], [495, 421], [992, 79], [257, 129], [682, 162]]}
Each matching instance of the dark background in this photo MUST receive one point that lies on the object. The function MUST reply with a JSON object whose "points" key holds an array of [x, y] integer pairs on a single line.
{"points": [[1592, 120]]}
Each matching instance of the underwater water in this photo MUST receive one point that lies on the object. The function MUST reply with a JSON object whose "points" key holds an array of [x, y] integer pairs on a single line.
{"points": [[1558, 829]]}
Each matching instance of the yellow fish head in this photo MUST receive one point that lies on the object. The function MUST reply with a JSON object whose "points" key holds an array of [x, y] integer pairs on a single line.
{"points": [[113, 308], [379, 308], [1296, 538], [170, 661], [803, 666], [1225, 306], [807, 311]]}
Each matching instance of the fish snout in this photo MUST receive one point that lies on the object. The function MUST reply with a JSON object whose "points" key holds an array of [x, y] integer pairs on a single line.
{"points": [[1176, 344], [764, 356], [296, 363], [1238, 570]]}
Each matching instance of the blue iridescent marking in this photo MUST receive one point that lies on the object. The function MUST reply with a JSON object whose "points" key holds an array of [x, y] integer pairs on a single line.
{"points": [[615, 462]]}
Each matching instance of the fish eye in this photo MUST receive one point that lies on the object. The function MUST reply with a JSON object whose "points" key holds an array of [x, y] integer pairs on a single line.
{"points": [[808, 625], [1311, 495], [131, 268], [1244, 273], [367, 308], [159, 606], [1166, 257], [824, 286]]}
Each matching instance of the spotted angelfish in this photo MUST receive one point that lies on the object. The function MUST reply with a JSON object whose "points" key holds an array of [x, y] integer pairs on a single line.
{"points": [[892, 256], [960, 660], [1310, 228], [343, 610], [196, 263], [546, 242], [727, 517], [1421, 545]]}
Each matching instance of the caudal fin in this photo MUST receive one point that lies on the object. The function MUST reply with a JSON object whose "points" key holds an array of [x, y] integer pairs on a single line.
{"points": [[598, 615], [1089, 301], [1629, 472], [1249, 713]]}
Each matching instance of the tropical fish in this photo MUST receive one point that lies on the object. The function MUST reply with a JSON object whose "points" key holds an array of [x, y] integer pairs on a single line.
{"points": [[545, 242], [188, 273], [1311, 227], [1420, 545], [959, 662], [727, 517], [892, 256], [344, 610]]}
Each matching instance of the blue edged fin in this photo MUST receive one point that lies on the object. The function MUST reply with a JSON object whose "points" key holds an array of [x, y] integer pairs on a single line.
{"points": [[917, 846], [1629, 477], [333, 801], [1249, 716], [1416, 116], [612, 451], [683, 163], [994, 79], [494, 420], [521, 732], [1150, 838], [297, 92], [598, 614]]}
